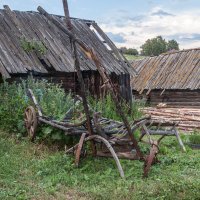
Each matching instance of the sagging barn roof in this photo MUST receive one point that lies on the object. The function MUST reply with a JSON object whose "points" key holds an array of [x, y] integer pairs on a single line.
{"points": [[16, 25], [175, 70]]}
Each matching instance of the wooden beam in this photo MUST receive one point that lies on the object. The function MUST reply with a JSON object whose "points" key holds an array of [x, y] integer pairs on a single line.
{"points": [[80, 76], [67, 16], [114, 94], [107, 40]]}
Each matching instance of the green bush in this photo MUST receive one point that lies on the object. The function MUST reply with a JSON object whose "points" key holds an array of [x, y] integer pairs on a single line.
{"points": [[14, 101], [54, 103], [108, 109]]}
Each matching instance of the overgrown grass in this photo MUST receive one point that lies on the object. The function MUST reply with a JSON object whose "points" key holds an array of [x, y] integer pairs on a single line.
{"points": [[108, 109], [31, 171], [194, 138], [132, 57], [14, 100]]}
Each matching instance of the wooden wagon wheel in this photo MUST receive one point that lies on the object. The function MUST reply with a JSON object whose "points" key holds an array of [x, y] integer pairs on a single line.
{"points": [[31, 122], [151, 158]]}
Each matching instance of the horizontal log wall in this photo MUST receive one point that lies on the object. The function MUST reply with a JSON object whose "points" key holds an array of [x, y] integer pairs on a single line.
{"points": [[138, 96], [176, 98], [92, 81]]}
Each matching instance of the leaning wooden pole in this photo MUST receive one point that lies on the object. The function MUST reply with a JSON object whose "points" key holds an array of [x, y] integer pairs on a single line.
{"points": [[114, 94], [79, 74], [67, 16]]}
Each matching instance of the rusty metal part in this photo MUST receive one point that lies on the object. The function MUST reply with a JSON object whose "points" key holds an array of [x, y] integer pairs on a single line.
{"points": [[79, 149], [31, 122], [151, 158]]}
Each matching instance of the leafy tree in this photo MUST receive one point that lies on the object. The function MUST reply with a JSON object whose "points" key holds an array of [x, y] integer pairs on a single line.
{"points": [[154, 47], [132, 51], [129, 51], [172, 45]]}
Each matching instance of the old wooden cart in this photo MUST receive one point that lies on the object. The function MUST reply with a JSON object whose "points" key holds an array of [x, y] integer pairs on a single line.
{"points": [[110, 137], [107, 137]]}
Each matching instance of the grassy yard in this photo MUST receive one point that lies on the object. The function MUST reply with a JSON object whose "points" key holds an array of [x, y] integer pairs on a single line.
{"points": [[33, 171], [132, 57]]}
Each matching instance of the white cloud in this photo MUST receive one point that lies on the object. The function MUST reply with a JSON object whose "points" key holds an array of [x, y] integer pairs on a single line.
{"points": [[137, 30]]}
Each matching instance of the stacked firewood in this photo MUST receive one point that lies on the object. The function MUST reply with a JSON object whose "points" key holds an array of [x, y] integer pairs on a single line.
{"points": [[187, 119]]}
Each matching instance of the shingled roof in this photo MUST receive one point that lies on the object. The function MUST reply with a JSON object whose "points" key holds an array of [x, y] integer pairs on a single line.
{"points": [[15, 25], [175, 70]]}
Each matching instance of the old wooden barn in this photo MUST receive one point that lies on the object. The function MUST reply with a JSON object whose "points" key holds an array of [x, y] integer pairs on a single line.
{"points": [[171, 78], [55, 61]]}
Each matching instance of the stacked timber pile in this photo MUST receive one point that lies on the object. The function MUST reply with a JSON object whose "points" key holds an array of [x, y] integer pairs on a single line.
{"points": [[187, 119]]}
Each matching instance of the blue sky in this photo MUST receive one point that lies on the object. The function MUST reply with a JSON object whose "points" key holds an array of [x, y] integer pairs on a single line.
{"points": [[131, 22]]}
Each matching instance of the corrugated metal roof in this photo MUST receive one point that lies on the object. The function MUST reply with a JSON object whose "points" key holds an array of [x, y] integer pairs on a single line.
{"points": [[175, 70], [33, 26]]}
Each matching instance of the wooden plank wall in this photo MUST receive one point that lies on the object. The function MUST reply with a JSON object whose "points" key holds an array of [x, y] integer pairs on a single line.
{"points": [[175, 98], [92, 81]]}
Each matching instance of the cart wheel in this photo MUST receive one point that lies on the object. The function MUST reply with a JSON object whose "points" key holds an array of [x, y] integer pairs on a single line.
{"points": [[151, 159], [31, 122]]}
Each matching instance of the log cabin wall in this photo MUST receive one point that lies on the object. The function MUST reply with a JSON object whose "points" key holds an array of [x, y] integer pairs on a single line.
{"points": [[175, 98], [92, 79], [138, 96], [176, 73]]}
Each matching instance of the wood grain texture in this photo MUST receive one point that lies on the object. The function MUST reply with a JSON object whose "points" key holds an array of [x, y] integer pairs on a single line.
{"points": [[177, 70], [15, 25]]}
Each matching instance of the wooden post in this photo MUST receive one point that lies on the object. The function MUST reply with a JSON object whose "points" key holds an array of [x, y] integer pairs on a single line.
{"points": [[67, 16], [35, 102], [114, 94], [179, 140], [80, 77]]}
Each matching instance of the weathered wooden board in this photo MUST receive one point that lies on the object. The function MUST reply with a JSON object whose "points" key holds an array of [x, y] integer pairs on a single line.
{"points": [[176, 70]]}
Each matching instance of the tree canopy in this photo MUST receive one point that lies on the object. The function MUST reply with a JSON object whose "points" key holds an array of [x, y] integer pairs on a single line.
{"points": [[157, 46], [129, 51], [172, 45]]}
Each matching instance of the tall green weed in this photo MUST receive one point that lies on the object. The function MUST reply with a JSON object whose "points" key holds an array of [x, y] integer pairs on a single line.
{"points": [[14, 100], [54, 103], [108, 108]]}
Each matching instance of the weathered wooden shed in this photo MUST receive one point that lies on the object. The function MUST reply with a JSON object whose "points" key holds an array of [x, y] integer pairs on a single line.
{"points": [[171, 78], [57, 63]]}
